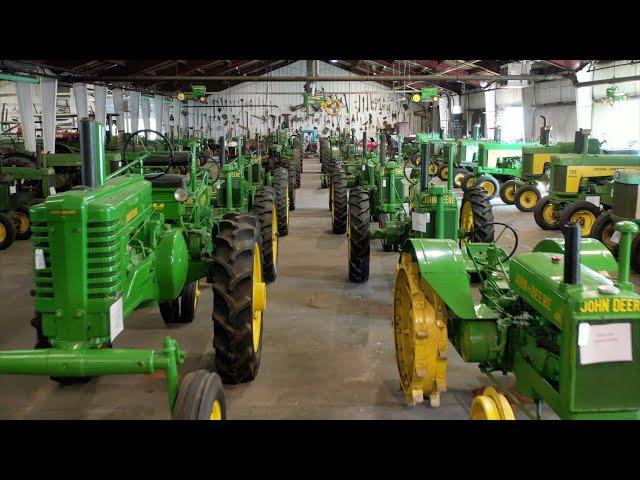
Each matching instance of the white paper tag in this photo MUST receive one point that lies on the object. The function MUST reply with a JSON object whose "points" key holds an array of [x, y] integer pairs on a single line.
{"points": [[583, 334], [116, 321], [364, 167], [13, 189], [615, 237], [595, 199], [405, 206], [40, 263], [419, 221], [609, 342], [384, 182], [52, 190]]}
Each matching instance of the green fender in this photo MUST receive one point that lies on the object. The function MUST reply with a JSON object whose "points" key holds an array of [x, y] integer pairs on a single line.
{"points": [[172, 264], [593, 253], [443, 267]]}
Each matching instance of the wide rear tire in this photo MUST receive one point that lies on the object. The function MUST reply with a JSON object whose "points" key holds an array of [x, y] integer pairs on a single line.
{"points": [[359, 236], [339, 201], [265, 210], [281, 187], [475, 212]]}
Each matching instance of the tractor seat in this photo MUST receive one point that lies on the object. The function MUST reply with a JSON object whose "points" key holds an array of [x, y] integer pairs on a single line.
{"points": [[159, 159], [168, 180]]}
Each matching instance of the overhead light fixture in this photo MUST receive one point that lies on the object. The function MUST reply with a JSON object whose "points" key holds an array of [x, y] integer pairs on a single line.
{"points": [[333, 61], [416, 97], [182, 96]]}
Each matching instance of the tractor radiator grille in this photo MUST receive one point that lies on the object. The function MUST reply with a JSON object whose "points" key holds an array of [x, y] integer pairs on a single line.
{"points": [[559, 179], [105, 241], [43, 278]]}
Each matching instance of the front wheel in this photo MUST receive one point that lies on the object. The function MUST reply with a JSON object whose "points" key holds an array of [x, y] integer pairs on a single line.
{"points": [[183, 309], [527, 198], [23, 223], [7, 231], [544, 214], [508, 191], [359, 236], [200, 397], [603, 230], [490, 184], [584, 214], [458, 175]]}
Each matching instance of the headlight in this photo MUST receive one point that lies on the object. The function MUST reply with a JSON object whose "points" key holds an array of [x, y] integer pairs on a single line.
{"points": [[180, 195]]}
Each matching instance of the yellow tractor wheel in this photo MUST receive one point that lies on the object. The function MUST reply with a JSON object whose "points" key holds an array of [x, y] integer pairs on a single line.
{"points": [[420, 332], [544, 214], [491, 405], [584, 214]]}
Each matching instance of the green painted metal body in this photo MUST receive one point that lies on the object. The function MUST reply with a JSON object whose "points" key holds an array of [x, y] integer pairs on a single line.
{"points": [[501, 160], [626, 195], [528, 321]]}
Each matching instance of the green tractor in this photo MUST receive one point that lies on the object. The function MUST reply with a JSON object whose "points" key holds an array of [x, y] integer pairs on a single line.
{"points": [[431, 212], [625, 207], [280, 154], [553, 317], [136, 238], [580, 188], [463, 153]]}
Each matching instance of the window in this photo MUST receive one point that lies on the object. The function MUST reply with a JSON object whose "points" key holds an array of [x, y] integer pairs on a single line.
{"points": [[511, 120]]}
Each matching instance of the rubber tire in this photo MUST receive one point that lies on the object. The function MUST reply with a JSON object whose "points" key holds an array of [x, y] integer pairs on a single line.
{"points": [[383, 220], [296, 158], [235, 360], [521, 191], [180, 310], [440, 172], [537, 215], [572, 208], [324, 168], [339, 199], [198, 392], [635, 253], [291, 175], [280, 187], [263, 206], [457, 171], [489, 178], [10, 227], [504, 187], [26, 235], [359, 235], [465, 179], [482, 214], [602, 223]]}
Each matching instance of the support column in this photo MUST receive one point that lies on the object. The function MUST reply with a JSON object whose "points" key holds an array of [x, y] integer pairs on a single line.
{"points": [[134, 110], [82, 105], [529, 111], [490, 113], [49, 94], [25, 104], [584, 100], [100, 94], [158, 107], [443, 114], [118, 107], [145, 106]]}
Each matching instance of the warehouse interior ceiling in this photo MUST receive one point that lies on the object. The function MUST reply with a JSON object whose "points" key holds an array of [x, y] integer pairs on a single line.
{"points": [[151, 75]]}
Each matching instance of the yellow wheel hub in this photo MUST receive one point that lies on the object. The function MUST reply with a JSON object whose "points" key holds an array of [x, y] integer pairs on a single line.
{"points": [[216, 411], [510, 193], [259, 297], [433, 168], [23, 222], [489, 187], [606, 237], [547, 214], [491, 405], [3, 233], [445, 173], [470, 182], [466, 218], [274, 233], [458, 178], [420, 332], [529, 199], [585, 219]]}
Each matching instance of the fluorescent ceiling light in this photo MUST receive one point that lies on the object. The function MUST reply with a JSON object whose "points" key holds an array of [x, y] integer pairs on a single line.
{"points": [[333, 61]]}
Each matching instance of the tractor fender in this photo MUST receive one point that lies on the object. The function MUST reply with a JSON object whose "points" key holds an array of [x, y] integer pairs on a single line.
{"points": [[442, 266], [172, 264], [593, 253]]}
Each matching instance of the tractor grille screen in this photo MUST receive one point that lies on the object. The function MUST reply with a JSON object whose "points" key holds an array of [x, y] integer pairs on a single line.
{"points": [[104, 244], [626, 200], [43, 278], [527, 162], [559, 179]]}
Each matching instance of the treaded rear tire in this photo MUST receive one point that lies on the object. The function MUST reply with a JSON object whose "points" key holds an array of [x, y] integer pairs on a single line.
{"points": [[296, 158], [236, 359], [339, 201], [10, 231], [263, 209], [482, 214], [359, 236], [280, 187], [291, 174]]}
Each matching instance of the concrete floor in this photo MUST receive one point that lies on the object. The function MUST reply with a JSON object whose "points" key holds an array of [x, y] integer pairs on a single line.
{"points": [[328, 344]]}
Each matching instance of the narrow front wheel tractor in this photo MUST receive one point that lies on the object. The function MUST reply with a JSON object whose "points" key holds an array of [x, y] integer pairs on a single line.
{"points": [[200, 397], [508, 191], [544, 214], [527, 198], [7, 231], [339, 201], [584, 214], [358, 233]]}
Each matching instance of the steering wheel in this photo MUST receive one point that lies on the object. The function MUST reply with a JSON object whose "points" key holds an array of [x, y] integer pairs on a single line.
{"points": [[495, 241], [164, 139]]}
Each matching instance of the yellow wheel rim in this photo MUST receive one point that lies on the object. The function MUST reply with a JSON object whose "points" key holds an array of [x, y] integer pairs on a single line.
{"points": [[458, 178], [510, 193], [466, 218], [420, 333], [433, 168], [445, 173], [259, 297], [489, 187], [274, 233], [3, 233], [23, 222], [547, 214], [585, 219], [606, 237], [470, 182], [216, 411], [529, 199], [491, 405], [197, 295]]}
